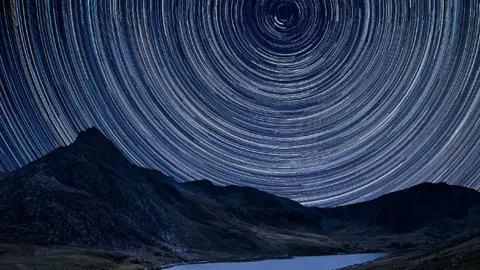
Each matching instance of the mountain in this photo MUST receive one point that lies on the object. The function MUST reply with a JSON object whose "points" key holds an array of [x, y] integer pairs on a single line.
{"points": [[87, 199], [88, 195], [423, 205], [422, 214], [3, 175], [254, 206], [240, 196]]}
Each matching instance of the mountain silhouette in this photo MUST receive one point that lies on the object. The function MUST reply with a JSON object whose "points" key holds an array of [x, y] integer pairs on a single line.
{"points": [[424, 205], [88, 195]]}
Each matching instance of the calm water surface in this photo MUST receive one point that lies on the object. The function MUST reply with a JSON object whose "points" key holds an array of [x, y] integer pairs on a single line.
{"points": [[298, 263]]}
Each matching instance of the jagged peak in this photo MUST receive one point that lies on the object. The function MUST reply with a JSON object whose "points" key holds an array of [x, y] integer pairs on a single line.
{"points": [[94, 138], [91, 133]]}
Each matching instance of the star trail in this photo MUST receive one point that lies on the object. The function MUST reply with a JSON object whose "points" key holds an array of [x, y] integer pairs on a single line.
{"points": [[326, 102]]}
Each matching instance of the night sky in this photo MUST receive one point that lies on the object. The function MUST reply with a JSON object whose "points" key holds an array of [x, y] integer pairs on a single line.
{"points": [[324, 101]]}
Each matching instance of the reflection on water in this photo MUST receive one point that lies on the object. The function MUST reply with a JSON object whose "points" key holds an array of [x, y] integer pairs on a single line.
{"points": [[298, 263]]}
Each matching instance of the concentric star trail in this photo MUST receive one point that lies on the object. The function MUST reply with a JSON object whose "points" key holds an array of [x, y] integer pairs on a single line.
{"points": [[327, 102]]}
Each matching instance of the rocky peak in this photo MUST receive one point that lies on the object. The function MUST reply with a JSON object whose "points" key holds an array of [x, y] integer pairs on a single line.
{"points": [[92, 141], [92, 136]]}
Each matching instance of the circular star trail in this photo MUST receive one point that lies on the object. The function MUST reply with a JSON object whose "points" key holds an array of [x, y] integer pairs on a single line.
{"points": [[327, 102]]}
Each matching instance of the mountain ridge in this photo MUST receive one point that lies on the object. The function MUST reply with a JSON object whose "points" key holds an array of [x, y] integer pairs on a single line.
{"points": [[85, 137], [88, 195]]}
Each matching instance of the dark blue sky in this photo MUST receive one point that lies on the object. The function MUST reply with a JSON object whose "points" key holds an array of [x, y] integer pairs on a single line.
{"points": [[326, 102]]}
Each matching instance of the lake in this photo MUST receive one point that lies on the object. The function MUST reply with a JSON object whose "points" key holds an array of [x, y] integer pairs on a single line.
{"points": [[300, 263]]}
